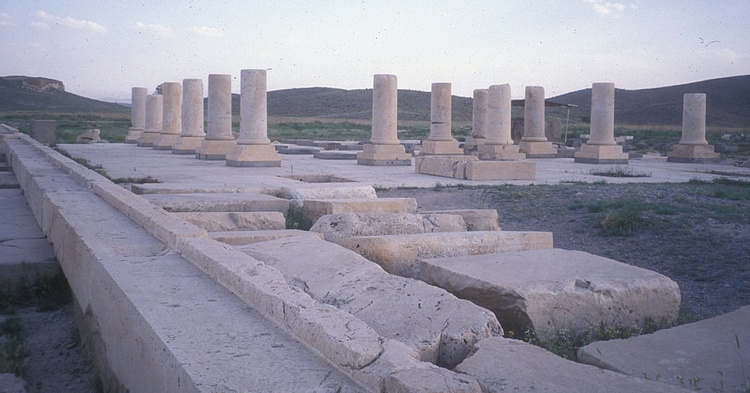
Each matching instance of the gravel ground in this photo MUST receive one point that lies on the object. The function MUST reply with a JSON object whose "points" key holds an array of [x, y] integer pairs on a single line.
{"points": [[698, 234]]}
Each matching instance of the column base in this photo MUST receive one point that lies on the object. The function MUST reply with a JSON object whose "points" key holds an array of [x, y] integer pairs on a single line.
{"points": [[472, 144], [215, 149], [601, 154], [133, 135], [187, 144], [538, 149], [693, 154], [500, 152], [253, 156], [165, 141], [384, 155], [147, 139], [471, 168], [439, 148]]}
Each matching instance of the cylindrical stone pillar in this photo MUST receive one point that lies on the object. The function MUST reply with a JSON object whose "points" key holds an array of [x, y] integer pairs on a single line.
{"points": [[533, 115], [479, 116], [138, 107], [440, 112], [192, 108], [154, 113], [384, 110], [172, 93], [602, 114], [499, 115], [219, 107], [694, 119], [253, 108]]}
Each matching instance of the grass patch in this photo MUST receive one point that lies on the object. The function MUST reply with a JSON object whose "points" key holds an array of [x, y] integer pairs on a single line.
{"points": [[620, 171], [9, 186], [46, 293], [135, 180], [14, 347]]}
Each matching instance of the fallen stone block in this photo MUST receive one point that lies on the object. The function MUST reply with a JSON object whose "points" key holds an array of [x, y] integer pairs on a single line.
{"points": [[336, 155], [439, 326], [445, 166], [501, 170], [705, 355], [328, 191], [505, 365], [400, 254], [235, 221], [335, 227], [554, 291], [218, 202], [238, 238], [313, 209], [475, 219]]}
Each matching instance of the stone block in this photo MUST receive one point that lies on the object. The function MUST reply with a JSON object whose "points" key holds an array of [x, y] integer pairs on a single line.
{"points": [[235, 221], [534, 149], [500, 152], [165, 141], [400, 254], [328, 191], [712, 351], [601, 154], [429, 147], [425, 380], [501, 170], [218, 202], [443, 223], [475, 219], [505, 365], [304, 150], [215, 149], [693, 154], [439, 326], [336, 155], [335, 227], [239, 238], [187, 144], [445, 166], [313, 209], [383, 155], [553, 291], [253, 156]]}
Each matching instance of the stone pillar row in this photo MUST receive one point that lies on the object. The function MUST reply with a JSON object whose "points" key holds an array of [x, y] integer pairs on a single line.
{"points": [[693, 146], [601, 147]]}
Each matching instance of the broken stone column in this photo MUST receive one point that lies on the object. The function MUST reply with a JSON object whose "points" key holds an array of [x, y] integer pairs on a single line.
{"points": [[172, 125], [253, 147], [601, 148], [219, 139], [154, 120], [478, 121], [499, 144], [384, 148], [192, 133], [534, 142], [440, 140], [693, 146], [137, 114]]}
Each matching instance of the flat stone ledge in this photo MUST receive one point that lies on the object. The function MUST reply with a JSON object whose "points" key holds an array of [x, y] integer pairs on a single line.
{"points": [[313, 209], [400, 254], [336, 155], [553, 291], [235, 221], [712, 350], [239, 238], [475, 219], [505, 365], [218, 202], [335, 227]]}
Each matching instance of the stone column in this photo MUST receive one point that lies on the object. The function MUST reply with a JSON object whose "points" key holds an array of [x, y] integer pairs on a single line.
{"points": [[440, 140], [192, 133], [219, 138], [384, 148], [478, 121], [534, 143], [693, 146], [154, 120], [499, 144], [601, 147], [137, 114], [253, 147], [172, 93]]}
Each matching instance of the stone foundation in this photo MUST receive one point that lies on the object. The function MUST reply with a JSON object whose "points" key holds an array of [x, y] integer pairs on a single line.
{"points": [[500, 152], [215, 149], [535, 149], [693, 154], [187, 145], [440, 148], [384, 155], [253, 156], [471, 168], [601, 154]]}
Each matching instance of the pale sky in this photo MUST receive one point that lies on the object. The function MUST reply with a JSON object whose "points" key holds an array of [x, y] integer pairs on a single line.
{"points": [[103, 48]]}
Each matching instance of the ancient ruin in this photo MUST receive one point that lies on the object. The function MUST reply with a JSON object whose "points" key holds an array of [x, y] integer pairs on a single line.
{"points": [[602, 148], [137, 114], [498, 144], [172, 116], [534, 142], [440, 140], [384, 148], [154, 120], [192, 133], [219, 139], [693, 146]]}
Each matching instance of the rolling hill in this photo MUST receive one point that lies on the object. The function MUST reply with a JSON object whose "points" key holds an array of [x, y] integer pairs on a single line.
{"points": [[22, 93]]}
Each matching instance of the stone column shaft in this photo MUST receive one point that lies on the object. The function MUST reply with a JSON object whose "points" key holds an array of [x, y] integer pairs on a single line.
{"points": [[602, 114], [384, 110], [479, 114], [220, 107], [499, 115], [440, 112], [192, 108], [253, 108], [533, 115], [694, 119], [172, 93], [154, 120], [137, 114]]}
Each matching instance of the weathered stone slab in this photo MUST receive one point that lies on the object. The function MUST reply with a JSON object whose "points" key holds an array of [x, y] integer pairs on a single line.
{"points": [[547, 292], [505, 365], [335, 227], [475, 219], [439, 326], [196, 188], [218, 202], [238, 238], [443, 223], [501, 170], [706, 355], [336, 155], [328, 191], [446, 166], [313, 209], [235, 221], [400, 254]]}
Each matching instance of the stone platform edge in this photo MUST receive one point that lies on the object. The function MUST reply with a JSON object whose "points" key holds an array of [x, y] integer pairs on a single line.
{"points": [[343, 340]]}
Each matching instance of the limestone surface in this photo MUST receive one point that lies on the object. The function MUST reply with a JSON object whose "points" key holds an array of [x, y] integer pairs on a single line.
{"points": [[218, 202], [313, 209], [709, 354], [553, 291], [235, 221], [475, 219], [335, 227]]}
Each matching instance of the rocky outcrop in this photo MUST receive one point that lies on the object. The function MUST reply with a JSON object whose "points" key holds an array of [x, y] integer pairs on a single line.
{"points": [[38, 84]]}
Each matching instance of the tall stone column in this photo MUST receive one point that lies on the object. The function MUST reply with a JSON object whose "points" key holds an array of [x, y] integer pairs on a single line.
{"points": [[192, 133], [499, 144], [440, 140], [137, 114], [478, 121], [172, 93], [601, 147], [384, 148], [534, 143], [154, 120], [693, 146], [219, 139], [253, 147]]}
